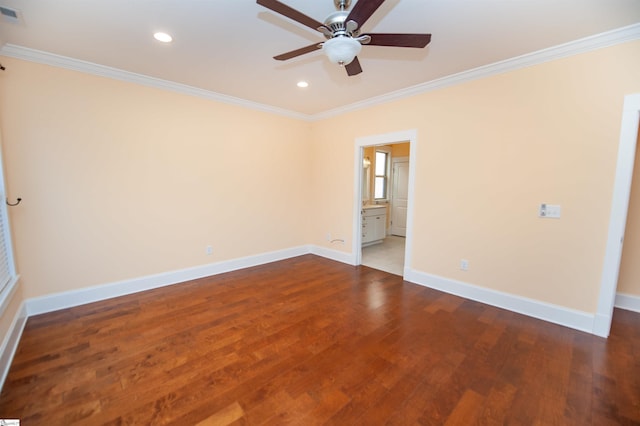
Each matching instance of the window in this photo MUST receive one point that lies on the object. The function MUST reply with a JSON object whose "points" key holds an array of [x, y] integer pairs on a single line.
{"points": [[6, 271], [8, 276], [381, 180]]}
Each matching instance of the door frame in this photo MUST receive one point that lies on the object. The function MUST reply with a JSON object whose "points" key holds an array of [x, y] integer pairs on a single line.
{"points": [[618, 216], [410, 136]]}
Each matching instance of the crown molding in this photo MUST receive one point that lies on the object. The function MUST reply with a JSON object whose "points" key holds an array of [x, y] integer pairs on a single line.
{"points": [[583, 45], [46, 58]]}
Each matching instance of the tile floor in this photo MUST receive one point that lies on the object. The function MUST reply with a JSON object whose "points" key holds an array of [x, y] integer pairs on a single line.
{"points": [[387, 256]]}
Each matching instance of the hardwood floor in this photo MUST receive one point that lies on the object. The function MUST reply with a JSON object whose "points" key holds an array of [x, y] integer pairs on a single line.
{"points": [[311, 341]]}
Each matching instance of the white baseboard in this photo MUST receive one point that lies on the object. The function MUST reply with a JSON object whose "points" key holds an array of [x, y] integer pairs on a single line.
{"points": [[578, 320], [601, 325], [630, 302], [10, 342], [336, 255], [68, 299]]}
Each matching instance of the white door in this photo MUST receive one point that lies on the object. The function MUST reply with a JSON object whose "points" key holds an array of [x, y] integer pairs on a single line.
{"points": [[399, 195]]}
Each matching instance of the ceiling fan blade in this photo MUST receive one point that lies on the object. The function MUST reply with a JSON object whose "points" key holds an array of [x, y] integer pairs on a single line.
{"points": [[399, 40], [353, 67], [363, 10], [298, 52], [290, 13]]}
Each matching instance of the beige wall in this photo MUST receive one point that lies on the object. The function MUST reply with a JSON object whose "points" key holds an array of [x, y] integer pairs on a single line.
{"points": [[629, 279], [121, 181], [400, 149], [488, 153]]}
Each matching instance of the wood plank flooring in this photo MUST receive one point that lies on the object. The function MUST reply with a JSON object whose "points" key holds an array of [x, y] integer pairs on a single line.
{"points": [[310, 341]]}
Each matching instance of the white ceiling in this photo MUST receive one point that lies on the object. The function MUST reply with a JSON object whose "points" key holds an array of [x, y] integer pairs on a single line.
{"points": [[226, 46]]}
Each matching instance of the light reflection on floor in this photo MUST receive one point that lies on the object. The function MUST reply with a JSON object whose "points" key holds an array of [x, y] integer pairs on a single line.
{"points": [[376, 296]]}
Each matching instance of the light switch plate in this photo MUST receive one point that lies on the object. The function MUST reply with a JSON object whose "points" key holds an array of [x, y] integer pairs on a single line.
{"points": [[549, 211]]}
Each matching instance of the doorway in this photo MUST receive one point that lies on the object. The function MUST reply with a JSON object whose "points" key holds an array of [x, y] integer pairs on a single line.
{"points": [[384, 199], [390, 193]]}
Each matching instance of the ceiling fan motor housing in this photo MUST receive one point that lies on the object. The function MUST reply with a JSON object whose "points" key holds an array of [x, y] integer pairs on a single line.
{"points": [[336, 23]]}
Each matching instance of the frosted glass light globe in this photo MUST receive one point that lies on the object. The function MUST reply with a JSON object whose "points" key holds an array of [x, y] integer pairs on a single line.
{"points": [[341, 50]]}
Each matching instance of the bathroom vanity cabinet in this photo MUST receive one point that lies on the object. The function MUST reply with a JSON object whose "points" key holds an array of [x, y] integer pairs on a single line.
{"points": [[374, 224]]}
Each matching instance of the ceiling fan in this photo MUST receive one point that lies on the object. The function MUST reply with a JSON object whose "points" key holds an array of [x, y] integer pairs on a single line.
{"points": [[342, 31]]}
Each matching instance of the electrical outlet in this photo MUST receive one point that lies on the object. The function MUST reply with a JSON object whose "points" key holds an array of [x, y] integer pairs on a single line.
{"points": [[328, 236], [208, 250], [549, 211], [464, 264]]}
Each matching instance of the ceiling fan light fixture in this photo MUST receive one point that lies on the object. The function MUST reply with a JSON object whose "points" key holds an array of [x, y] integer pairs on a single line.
{"points": [[341, 50], [342, 29]]}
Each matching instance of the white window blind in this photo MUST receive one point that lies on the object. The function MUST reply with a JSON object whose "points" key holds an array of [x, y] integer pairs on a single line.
{"points": [[7, 273], [8, 276]]}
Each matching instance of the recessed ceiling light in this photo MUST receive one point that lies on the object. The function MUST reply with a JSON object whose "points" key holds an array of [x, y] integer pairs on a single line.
{"points": [[163, 37], [303, 84]]}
